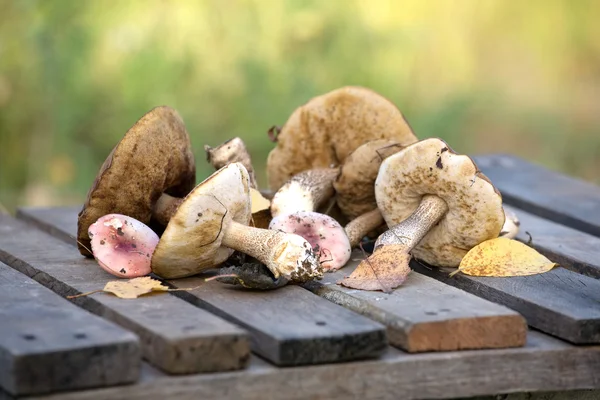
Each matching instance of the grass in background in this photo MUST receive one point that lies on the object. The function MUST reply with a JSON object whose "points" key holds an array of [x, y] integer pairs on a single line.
{"points": [[486, 76]]}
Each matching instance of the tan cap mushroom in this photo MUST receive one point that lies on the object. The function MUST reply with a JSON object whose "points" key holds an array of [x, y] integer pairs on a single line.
{"points": [[438, 206], [148, 168], [324, 131], [212, 222]]}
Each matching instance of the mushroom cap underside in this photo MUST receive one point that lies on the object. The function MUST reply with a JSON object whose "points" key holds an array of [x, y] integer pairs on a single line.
{"points": [[325, 130], [431, 167], [153, 157], [192, 241]]}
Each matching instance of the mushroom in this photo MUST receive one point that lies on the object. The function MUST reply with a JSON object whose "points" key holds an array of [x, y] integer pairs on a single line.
{"points": [[324, 131], [235, 150], [294, 210], [511, 225], [212, 222], [122, 245], [144, 176], [354, 187], [438, 206]]}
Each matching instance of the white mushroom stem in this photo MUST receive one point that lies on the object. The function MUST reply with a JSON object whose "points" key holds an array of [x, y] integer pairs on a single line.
{"points": [[305, 191], [414, 228], [233, 150], [285, 254], [360, 226], [511, 225], [165, 208]]}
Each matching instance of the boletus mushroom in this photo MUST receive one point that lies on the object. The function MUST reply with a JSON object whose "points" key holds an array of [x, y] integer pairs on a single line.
{"points": [[325, 130], [212, 222], [438, 206], [235, 150], [144, 177]]}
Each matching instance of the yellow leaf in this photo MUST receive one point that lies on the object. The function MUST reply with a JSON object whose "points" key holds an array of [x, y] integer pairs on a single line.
{"points": [[501, 257], [134, 288], [259, 202]]}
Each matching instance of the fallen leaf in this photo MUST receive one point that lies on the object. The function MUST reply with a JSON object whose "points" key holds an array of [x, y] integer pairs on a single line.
{"points": [[502, 257], [259, 202], [132, 289], [384, 270]]}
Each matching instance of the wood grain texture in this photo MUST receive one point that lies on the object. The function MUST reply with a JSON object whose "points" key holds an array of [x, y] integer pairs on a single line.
{"points": [[290, 326], [426, 315], [572, 249], [175, 336], [48, 344], [543, 364], [560, 302], [59, 222], [543, 192]]}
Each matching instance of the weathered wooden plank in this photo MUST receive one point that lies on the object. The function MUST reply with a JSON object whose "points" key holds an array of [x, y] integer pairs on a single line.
{"points": [[427, 315], [560, 302], [176, 336], [545, 193], [544, 363], [289, 326], [58, 223], [48, 344], [572, 249]]}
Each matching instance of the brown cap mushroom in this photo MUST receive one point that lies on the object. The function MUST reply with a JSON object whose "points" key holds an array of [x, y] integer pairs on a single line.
{"points": [[153, 159], [324, 131], [212, 222], [438, 206]]}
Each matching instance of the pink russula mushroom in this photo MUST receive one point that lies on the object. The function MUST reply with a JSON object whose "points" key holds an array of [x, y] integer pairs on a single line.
{"points": [[122, 245], [212, 222], [293, 210]]}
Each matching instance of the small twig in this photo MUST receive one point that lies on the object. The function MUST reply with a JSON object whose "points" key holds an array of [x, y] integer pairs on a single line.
{"points": [[83, 245], [530, 238], [221, 226], [212, 278], [386, 147]]}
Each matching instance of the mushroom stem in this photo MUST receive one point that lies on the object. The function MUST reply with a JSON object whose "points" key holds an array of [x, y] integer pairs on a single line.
{"points": [[360, 226], [165, 208], [233, 150], [409, 232], [305, 191], [285, 254]]}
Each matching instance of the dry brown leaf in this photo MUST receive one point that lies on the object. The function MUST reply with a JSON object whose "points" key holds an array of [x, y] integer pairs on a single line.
{"points": [[386, 269], [502, 257], [132, 288]]}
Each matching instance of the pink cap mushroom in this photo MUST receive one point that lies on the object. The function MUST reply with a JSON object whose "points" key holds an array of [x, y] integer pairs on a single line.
{"points": [[122, 245], [293, 210]]}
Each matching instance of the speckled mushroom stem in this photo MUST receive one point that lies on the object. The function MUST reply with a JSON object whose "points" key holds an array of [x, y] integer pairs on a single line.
{"points": [[305, 191], [409, 232], [285, 254], [165, 208], [360, 226], [233, 150]]}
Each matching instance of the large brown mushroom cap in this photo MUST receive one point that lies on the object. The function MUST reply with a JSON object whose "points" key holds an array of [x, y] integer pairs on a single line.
{"points": [[354, 185], [192, 241], [324, 131], [430, 167], [153, 157]]}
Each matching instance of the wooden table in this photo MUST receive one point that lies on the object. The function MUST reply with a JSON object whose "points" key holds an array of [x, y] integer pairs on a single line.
{"points": [[434, 337]]}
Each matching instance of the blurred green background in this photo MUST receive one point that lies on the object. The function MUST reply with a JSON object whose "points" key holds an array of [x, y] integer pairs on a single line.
{"points": [[485, 75]]}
